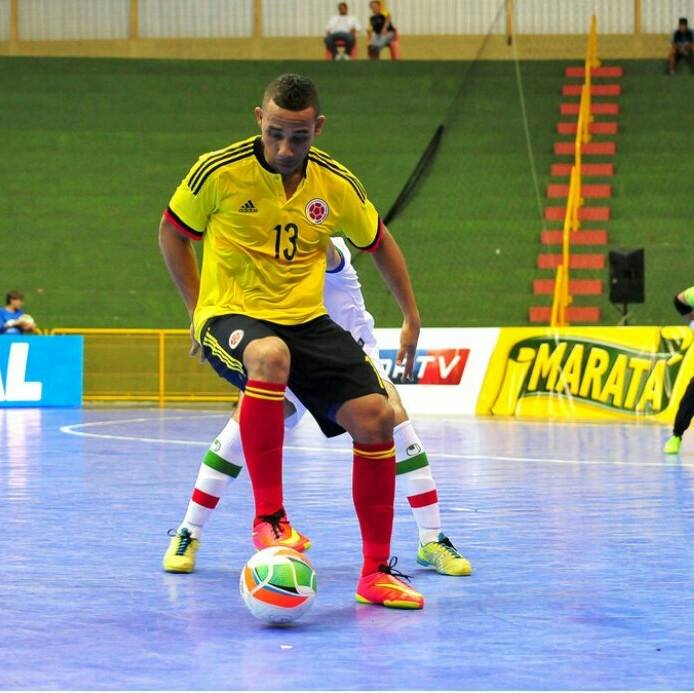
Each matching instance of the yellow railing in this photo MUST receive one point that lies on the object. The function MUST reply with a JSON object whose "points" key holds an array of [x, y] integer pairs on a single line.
{"points": [[592, 56], [146, 365], [561, 298]]}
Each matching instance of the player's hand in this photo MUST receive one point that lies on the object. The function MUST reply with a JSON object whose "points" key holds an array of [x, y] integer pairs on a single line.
{"points": [[195, 348], [409, 336]]}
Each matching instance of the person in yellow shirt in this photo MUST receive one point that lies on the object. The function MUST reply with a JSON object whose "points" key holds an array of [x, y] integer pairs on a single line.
{"points": [[265, 209]]}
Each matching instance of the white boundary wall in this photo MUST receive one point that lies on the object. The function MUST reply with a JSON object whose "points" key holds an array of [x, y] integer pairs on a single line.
{"points": [[4, 20], [660, 16], [41, 20], [573, 16], [109, 19], [198, 19], [414, 17]]}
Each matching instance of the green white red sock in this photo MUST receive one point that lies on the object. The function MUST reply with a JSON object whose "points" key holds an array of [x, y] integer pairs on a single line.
{"points": [[222, 463], [414, 473]]}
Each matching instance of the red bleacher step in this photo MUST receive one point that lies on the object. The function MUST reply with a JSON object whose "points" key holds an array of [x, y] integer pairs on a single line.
{"points": [[584, 213], [589, 148], [595, 89], [602, 71], [590, 170], [577, 287], [596, 108], [601, 127], [585, 314], [587, 237], [576, 261], [588, 190]]}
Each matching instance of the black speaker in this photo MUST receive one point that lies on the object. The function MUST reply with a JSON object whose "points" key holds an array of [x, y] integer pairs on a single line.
{"points": [[627, 276]]}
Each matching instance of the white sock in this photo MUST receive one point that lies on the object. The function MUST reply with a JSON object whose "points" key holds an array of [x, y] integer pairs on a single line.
{"points": [[222, 462], [413, 470]]}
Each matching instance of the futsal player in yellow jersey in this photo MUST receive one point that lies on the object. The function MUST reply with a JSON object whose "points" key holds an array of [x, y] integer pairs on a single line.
{"points": [[265, 209]]}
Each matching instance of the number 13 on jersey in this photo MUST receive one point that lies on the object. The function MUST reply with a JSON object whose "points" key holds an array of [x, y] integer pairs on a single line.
{"points": [[285, 241]]}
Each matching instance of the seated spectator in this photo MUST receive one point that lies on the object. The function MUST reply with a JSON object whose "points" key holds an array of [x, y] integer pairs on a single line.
{"points": [[682, 46], [381, 32], [341, 30], [13, 319]]}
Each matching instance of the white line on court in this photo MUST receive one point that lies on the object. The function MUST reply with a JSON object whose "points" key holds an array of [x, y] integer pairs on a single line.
{"points": [[73, 429]]}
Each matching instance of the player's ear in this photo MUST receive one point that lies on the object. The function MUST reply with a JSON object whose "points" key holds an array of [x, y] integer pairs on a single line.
{"points": [[259, 116], [320, 122]]}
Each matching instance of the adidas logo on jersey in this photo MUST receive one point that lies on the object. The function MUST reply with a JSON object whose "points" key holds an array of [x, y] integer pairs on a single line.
{"points": [[248, 207]]}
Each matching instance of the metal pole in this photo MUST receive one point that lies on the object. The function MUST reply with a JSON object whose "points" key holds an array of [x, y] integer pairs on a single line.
{"points": [[162, 369], [14, 20], [134, 30], [257, 19]]}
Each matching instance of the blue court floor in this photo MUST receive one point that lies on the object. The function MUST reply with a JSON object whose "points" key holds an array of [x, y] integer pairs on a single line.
{"points": [[581, 538]]}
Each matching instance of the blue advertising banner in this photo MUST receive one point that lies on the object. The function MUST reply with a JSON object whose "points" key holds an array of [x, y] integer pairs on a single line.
{"points": [[41, 371]]}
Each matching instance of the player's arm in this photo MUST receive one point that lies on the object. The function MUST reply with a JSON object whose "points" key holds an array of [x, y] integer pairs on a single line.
{"points": [[365, 230], [185, 220], [392, 266], [181, 261], [332, 258]]}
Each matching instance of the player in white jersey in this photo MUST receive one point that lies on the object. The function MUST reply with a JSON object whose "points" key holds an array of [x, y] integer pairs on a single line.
{"points": [[344, 302], [343, 299]]}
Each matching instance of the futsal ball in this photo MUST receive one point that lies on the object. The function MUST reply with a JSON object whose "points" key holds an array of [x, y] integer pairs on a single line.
{"points": [[278, 584], [26, 319]]}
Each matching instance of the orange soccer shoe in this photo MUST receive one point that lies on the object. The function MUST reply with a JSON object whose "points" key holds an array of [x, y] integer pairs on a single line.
{"points": [[388, 587], [275, 530]]}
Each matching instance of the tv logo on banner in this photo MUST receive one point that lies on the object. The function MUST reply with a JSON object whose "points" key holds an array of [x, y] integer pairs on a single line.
{"points": [[432, 366], [40, 371]]}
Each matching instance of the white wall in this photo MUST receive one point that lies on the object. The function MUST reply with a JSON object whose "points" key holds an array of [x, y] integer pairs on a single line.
{"points": [[300, 17], [449, 16], [660, 16], [196, 18], [573, 16], [309, 17], [73, 19], [109, 19], [4, 20]]}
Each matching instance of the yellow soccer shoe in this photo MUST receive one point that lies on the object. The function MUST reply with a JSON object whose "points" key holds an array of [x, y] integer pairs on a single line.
{"points": [[180, 556], [443, 557], [672, 445]]}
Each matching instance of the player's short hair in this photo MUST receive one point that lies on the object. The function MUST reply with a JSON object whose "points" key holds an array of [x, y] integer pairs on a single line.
{"points": [[293, 92], [683, 20], [11, 295]]}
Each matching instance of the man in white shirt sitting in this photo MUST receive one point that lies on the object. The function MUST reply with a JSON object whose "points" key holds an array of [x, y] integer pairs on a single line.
{"points": [[341, 30]]}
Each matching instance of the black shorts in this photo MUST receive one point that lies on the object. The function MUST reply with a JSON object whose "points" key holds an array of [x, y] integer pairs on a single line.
{"points": [[328, 368]]}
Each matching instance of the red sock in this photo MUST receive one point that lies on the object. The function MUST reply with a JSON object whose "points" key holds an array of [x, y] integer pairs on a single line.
{"points": [[373, 490], [262, 434]]}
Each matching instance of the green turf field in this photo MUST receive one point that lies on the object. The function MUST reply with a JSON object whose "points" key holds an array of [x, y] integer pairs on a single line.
{"points": [[94, 148]]}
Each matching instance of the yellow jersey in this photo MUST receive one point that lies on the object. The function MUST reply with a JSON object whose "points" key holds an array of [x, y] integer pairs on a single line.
{"points": [[265, 255]]}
